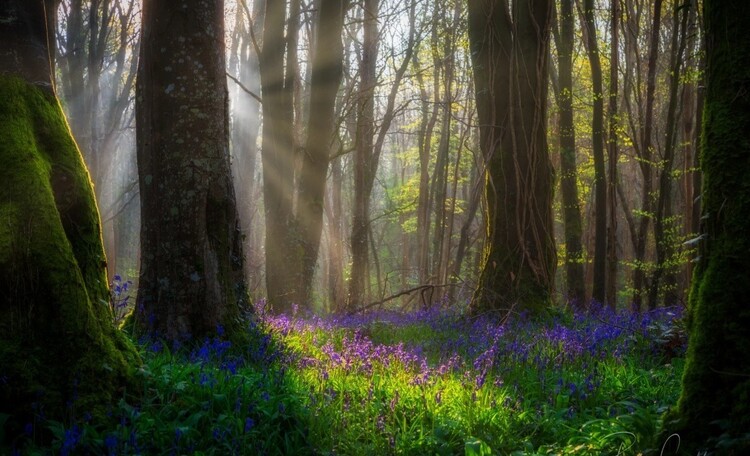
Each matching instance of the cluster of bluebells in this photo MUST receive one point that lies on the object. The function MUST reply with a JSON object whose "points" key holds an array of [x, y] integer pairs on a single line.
{"points": [[119, 296], [405, 365], [562, 355]]}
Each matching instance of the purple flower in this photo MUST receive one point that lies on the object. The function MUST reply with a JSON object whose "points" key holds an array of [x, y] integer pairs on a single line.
{"points": [[110, 443], [249, 423]]}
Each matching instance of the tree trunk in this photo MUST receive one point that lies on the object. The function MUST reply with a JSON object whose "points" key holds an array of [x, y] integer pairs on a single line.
{"points": [[191, 277], [277, 152], [511, 97], [663, 215], [646, 163], [336, 287], [367, 153], [597, 139], [713, 409], [575, 289], [245, 113], [613, 155], [363, 163], [424, 145], [327, 67], [58, 345]]}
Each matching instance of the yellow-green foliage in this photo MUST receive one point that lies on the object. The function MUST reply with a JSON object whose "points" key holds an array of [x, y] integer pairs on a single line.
{"points": [[58, 347]]}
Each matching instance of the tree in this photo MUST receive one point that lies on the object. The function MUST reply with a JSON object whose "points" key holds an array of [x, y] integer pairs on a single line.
{"points": [[509, 50], [564, 33], [663, 216], [58, 345], [645, 160], [191, 278], [294, 184], [245, 112], [327, 67], [716, 385], [364, 164], [277, 154], [612, 155], [597, 136], [369, 144]]}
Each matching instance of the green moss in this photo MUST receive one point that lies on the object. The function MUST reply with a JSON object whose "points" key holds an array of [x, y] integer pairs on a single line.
{"points": [[58, 347], [714, 409]]}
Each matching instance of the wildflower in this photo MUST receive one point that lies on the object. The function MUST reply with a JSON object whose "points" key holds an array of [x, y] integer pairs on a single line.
{"points": [[110, 443], [71, 439], [249, 424], [380, 423]]}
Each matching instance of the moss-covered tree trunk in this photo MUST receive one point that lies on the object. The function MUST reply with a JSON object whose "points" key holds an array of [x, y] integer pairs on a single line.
{"points": [[191, 278], [715, 401], [59, 350], [509, 50]]}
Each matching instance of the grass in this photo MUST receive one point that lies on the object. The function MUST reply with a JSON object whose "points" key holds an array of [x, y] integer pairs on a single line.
{"points": [[384, 383]]}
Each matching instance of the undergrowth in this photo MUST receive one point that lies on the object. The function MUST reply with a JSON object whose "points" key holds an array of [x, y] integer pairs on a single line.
{"points": [[385, 383]]}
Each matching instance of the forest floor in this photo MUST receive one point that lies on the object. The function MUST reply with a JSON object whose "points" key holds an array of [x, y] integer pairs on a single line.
{"points": [[384, 383]]}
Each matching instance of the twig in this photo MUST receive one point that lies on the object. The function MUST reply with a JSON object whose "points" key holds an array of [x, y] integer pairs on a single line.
{"points": [[399, 294], [245, 89]]}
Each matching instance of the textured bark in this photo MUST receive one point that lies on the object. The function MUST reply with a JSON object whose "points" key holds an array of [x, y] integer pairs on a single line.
{"points": [[713, 409], [191, 278], [575, 289], [509, 52], [58, 346]]}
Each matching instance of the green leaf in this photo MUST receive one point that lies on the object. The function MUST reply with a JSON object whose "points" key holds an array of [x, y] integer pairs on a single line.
{"points": [[476, 447]]}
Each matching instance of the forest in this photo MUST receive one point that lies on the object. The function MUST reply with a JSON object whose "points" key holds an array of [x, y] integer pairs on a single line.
{"points": [[475, 227]]}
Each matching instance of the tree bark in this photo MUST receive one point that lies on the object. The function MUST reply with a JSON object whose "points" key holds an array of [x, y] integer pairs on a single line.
{"points": [[597, 139], [612, 156], [575, 289], [646, 162], [58, 346], [191, 279], [327, 67], [663, 214], [277, 153], [712, 410], [509, 56], [363, 162]]}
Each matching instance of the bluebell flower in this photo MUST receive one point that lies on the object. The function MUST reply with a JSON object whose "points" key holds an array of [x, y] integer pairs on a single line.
{"points": [[249, 423], [110, 443]]}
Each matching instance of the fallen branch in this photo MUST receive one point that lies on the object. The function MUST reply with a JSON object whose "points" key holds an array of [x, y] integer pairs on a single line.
{"points": [[421, 288]]}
